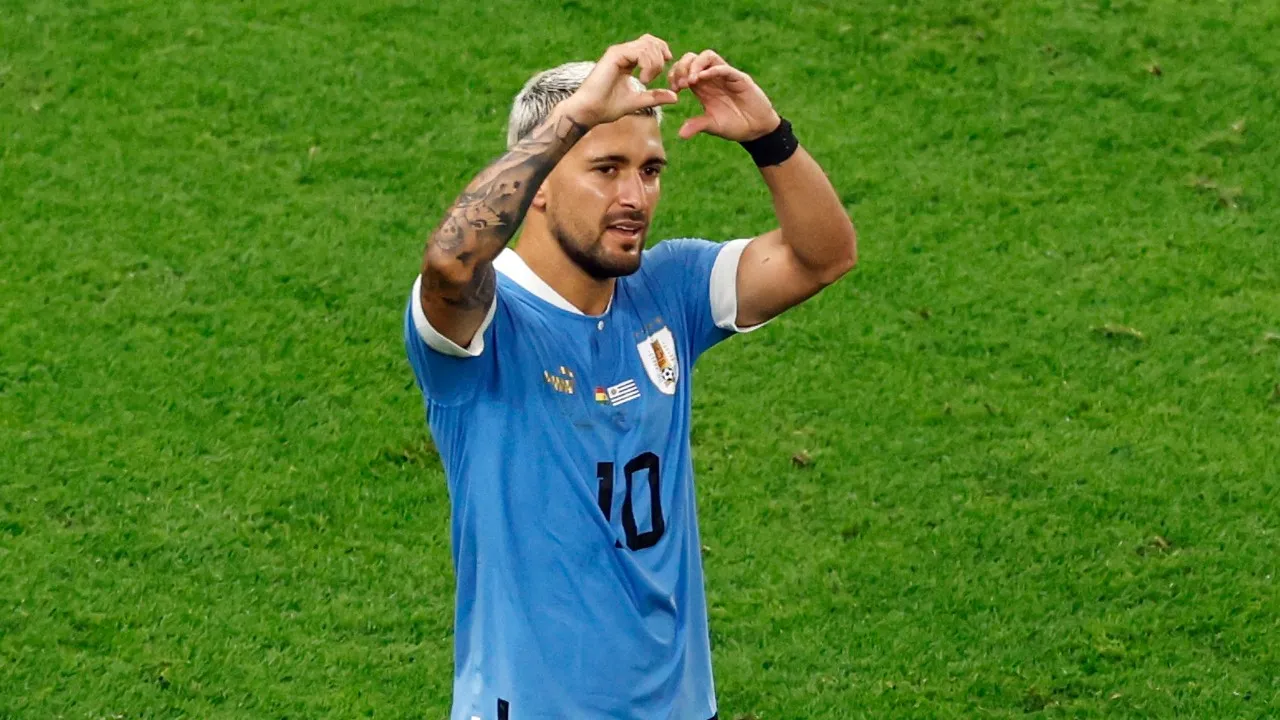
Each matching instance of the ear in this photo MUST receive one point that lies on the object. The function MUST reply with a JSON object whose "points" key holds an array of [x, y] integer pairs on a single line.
{"points": [[540, 197]]}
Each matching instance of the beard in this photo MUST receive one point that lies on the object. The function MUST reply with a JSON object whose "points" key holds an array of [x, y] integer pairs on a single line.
{"points": [[592, 257]]}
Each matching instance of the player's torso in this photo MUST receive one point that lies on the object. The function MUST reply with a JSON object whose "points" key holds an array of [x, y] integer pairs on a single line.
{"points": [[613, 392], [574, 528]]}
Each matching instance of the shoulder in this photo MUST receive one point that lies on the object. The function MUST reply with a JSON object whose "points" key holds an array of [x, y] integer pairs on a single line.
{"points": [[681, 258], [695, 259], [678, 250]]}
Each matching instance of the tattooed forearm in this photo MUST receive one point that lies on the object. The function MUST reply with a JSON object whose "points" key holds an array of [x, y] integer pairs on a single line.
{"points": [[486, 215], [458, 279]]}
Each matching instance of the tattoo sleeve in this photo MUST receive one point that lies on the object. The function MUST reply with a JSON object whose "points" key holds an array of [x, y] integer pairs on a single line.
{"points": [[457, 270]]}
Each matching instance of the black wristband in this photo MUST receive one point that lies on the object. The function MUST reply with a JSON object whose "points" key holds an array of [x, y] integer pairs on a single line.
{"points": [[774, 148]]}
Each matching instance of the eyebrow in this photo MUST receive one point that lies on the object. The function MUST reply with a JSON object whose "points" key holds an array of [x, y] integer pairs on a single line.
{"points": [[623, 160]]}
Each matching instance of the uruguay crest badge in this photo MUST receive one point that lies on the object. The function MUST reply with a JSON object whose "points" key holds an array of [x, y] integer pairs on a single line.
{"points": [[658, 355]]}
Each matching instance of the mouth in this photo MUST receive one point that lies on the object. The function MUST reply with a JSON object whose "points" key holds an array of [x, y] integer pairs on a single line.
{"points": [[627, 230]]}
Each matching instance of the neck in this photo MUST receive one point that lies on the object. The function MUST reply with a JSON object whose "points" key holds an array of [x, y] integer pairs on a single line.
{"points": [[544, 256]]}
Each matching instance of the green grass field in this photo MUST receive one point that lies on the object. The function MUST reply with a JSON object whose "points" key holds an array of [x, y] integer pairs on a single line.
{"points": [[1036, 434]]}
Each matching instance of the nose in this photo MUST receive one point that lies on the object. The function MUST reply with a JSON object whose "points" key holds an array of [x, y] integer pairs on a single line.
{"points": [[631, 191]]}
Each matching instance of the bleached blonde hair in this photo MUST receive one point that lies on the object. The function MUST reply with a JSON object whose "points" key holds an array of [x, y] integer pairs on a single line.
{"points": [[547, 89]]}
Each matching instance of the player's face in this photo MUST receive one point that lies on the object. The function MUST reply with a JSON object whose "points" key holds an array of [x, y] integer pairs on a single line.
{"points": [[601, 196]]}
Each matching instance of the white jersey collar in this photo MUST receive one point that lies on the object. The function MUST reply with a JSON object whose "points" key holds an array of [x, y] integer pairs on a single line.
{"points": [[518, 271]]}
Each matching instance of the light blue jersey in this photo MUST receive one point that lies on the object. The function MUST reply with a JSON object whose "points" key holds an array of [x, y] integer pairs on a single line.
{"points": [[565, 440]]}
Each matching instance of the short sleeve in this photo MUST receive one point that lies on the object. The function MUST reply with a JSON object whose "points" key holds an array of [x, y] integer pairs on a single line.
{"points": [[446, 373], [702, 278]]}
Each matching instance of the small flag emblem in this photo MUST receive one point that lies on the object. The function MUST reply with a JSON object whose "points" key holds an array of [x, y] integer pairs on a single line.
{"points": [[601, 397], [623, 392]]}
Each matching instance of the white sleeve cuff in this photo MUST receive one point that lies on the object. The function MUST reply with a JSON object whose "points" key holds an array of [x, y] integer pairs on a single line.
{"points": [[440, 343], [724, 287]]}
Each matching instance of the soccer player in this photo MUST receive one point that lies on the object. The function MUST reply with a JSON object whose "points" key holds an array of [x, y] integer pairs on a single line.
{"points": [[557, 383]]}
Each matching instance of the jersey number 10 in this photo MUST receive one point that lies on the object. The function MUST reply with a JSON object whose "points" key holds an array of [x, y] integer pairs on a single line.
{"points": [[636, 540]]}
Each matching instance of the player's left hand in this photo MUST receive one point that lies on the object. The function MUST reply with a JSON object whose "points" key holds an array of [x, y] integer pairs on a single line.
{"points": [[733, 106]]}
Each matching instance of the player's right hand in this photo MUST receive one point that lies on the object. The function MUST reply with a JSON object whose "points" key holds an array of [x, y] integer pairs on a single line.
{"points": [[608, 93]]}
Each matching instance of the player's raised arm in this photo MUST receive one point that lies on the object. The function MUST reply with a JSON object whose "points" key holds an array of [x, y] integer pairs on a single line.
{"points": [[458, 281], [815, 244]]}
